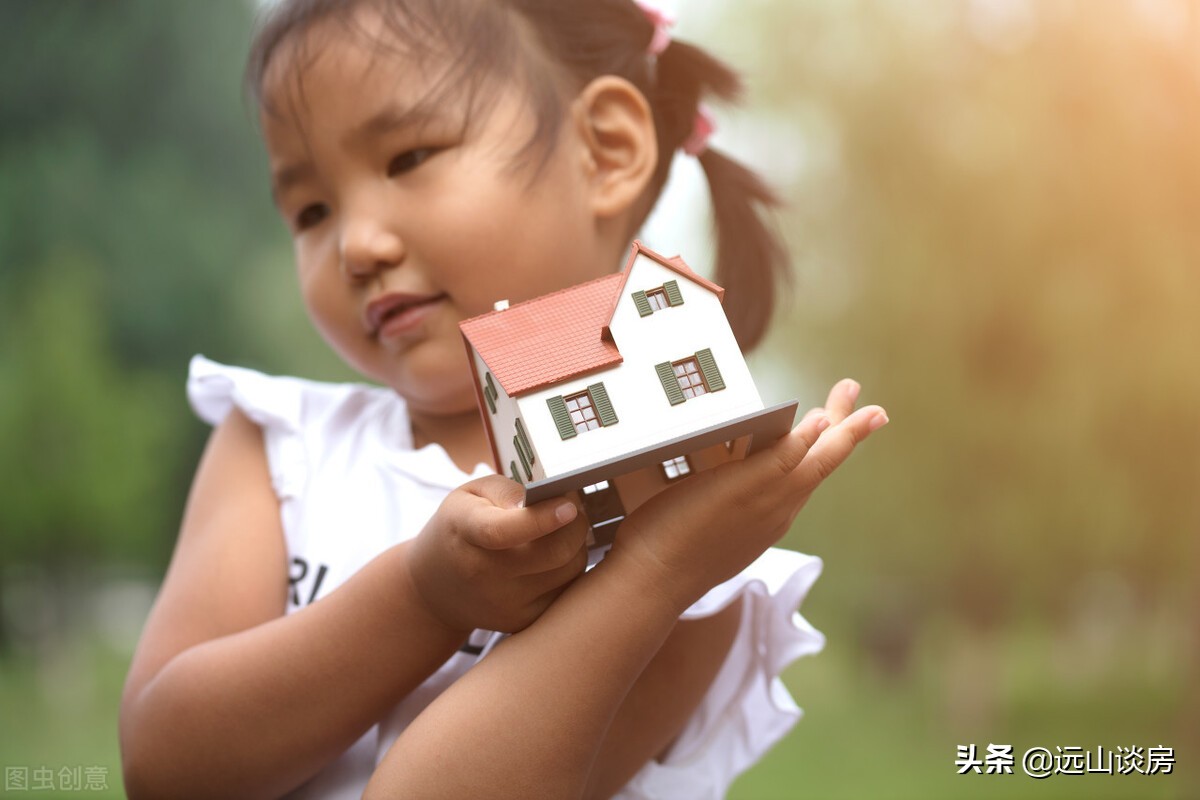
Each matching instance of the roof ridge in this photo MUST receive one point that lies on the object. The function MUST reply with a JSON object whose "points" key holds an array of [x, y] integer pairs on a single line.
{"points": [[677, 264], [674, 263], [542, 297]]}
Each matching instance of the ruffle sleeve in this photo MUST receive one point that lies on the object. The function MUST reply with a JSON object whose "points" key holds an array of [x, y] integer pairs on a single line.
{"points": [[274, 403], [747, 709]]}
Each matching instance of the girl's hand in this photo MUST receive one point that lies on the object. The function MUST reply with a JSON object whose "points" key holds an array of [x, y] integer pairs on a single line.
{"points": [[485, 561], [710, 526]]}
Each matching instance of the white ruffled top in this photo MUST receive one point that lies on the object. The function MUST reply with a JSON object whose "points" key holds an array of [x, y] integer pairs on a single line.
{"points": [[351, 484]]}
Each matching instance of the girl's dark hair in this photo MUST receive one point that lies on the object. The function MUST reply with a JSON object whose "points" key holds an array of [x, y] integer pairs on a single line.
{"points": [[589, 38]]}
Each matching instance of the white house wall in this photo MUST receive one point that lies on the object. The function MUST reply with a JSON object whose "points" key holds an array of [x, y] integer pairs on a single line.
{"points": [[645, 414], [504, 426]]}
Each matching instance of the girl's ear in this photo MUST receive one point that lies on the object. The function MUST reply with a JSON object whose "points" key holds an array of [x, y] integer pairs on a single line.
{"points": [[616, 127]]}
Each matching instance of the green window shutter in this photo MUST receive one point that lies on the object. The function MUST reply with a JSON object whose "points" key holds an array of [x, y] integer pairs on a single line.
{"points": [[643, 305], [673, 295], [603, 405], [670, 384], [708, 368], [525, 442], [562, 418], [524, 458], [516, 476], [490, 396], [489, 391]]}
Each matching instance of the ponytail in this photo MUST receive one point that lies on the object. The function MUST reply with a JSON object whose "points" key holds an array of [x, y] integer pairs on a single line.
{"points": [[751, 258]]}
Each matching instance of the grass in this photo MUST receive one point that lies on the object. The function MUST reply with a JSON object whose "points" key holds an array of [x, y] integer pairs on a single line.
{"points": [[60, 711], [865, 734]]}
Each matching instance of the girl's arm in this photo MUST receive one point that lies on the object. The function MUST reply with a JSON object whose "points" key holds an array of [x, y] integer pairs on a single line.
{"points": [[226, 696], [535, 717], [528, 720], [664, 698]]}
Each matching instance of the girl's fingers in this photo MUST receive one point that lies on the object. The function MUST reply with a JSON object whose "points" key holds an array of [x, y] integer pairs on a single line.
{"points": [[560, 574], [813, 412], [842, 398], [784, 456], [551, 552], [499, 524], [835, 446]]}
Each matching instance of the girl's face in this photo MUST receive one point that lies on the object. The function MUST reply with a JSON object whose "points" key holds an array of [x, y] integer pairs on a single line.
{"points": [[405, 224]]}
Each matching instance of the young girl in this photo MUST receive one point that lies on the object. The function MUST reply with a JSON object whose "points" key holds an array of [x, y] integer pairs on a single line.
{"points": [[324, 627]]}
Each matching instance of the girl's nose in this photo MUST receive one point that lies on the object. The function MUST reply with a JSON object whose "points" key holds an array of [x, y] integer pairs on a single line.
{"points": [[367, 247]]}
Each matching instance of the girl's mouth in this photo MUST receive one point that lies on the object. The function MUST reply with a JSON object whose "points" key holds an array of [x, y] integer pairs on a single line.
{"points": [[398, 313]]}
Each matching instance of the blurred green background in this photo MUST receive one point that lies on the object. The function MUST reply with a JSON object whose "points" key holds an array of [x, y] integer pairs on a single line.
{"points": [[994, 209]]}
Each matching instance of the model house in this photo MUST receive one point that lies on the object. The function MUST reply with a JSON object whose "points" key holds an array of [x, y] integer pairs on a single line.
{"points": [[617, 387]]}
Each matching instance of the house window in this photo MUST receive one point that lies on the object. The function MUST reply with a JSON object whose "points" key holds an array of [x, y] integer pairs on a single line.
{"points": [[583, 413], [595, 487], [691, 381], [690, 377], [658, 298], [676, 467]]}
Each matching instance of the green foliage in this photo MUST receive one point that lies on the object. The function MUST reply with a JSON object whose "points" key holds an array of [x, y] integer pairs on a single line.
{"points": [[124, 137], [994, 228], [995, 232], [135, 230], [85, 441]]}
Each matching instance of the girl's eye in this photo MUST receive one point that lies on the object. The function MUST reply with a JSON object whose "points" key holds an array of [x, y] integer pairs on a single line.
{"points": [[311, 215], [409, 160]]}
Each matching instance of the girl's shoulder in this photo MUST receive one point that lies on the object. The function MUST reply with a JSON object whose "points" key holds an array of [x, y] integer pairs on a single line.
{"points": [[305, 423], [281, 401]]}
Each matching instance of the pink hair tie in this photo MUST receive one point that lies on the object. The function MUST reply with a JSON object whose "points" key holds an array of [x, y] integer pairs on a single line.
{"points": [[702, 128], [662, 28]]}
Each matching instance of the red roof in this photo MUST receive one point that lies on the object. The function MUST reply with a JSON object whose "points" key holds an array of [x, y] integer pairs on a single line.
{"points": [[561, 335], [548, 339]]}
